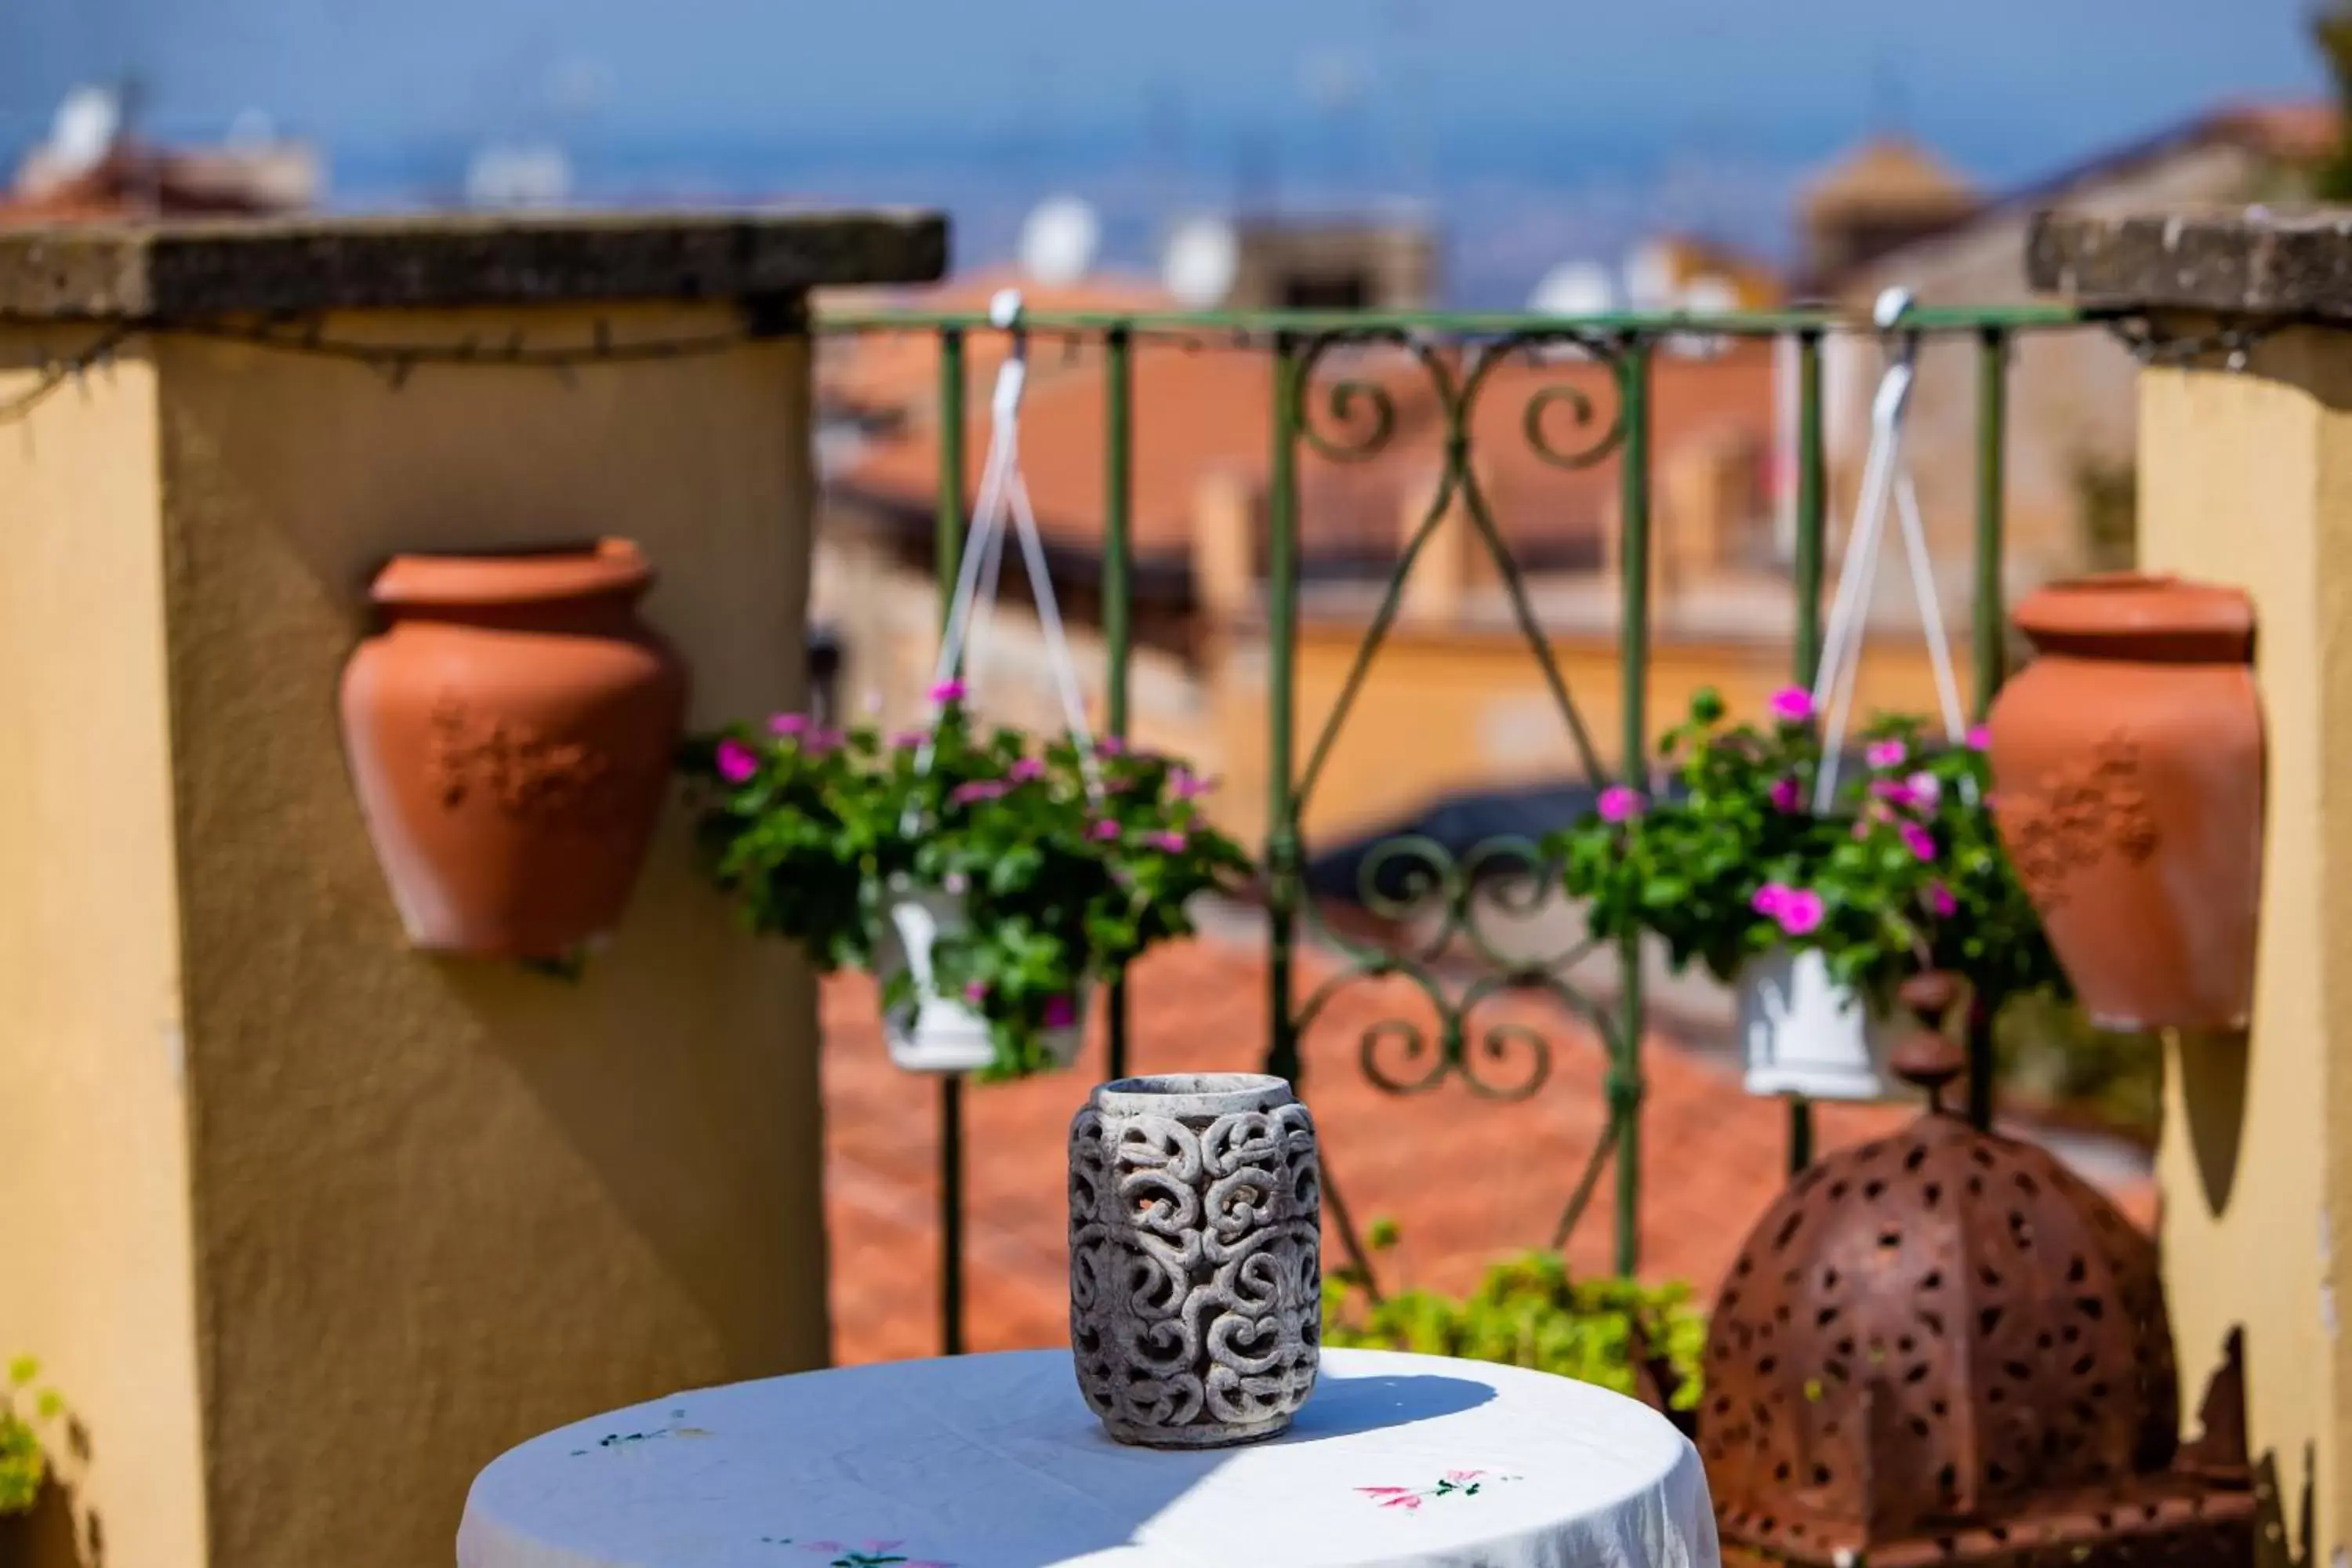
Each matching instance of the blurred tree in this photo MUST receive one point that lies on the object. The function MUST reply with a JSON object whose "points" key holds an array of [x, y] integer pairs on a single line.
{"points": [[2331, 30]]}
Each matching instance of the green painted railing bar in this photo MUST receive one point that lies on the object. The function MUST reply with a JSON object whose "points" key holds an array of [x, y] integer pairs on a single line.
{"points": [[1118, 515], [1812, 527], [947, 557], [1625, 1079], [1991, 630], [1990, 633], [1282, 636]]}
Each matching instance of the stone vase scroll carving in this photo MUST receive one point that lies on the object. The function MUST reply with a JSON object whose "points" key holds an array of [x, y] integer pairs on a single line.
{"points": [[1195, 1258], [2128, 766], [510, 732]]}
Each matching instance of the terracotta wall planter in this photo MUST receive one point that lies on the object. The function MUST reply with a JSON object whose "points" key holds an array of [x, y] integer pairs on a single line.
{"points": [[2128, 763], [509, 734]]}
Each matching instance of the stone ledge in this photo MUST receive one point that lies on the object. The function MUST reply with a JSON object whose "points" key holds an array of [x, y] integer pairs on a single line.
{"points": [[2239, 261], [193, 270]]}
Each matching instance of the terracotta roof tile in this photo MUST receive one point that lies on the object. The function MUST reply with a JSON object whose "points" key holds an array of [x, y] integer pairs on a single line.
{"points": [[893, 374], [132, 182], [1466, 1179], [2294, 132], [1887, 169]]}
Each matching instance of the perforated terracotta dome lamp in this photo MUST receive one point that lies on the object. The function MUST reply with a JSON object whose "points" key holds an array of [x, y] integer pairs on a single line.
{"points": [[1943, 1347]]}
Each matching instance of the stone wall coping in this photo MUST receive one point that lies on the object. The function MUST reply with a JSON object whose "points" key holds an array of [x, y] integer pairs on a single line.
{"points": [[2233, 261], [192, 270]]}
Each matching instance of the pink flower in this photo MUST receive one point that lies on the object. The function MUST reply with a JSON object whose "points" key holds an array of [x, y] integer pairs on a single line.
{"points": [[1110, 746], [1026, 769], [1795, 910], [822, 741], [908, 739], [1619, 803], [1801, 912], [982, 789], [1940, 900], [1918, 840], [1104, 831], [1172, 842], [1979, 739], [1458, 1476], [1190, 785], [948, 691], [1928, 788], [1894, 792], [736, 761], [1383, 1492], [1061, 1012], [1788, 795], [1793, 705], [975, 993], [1408, 1502], [788, 724], [1886, 753]]}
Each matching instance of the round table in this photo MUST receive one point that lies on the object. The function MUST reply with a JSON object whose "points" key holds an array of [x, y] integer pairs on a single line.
{"points": [[993, 1461]]}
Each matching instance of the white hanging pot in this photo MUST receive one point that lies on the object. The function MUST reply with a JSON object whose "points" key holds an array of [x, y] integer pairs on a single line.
{"points": [[1803, 1033], [943, 1034]]}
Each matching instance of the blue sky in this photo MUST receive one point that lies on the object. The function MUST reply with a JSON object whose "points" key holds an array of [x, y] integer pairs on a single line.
{"points": [[2005, 84], [1538, 131]]}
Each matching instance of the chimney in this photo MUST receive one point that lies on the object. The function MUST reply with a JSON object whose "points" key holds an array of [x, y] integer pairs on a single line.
{"points": [[1225, 545]]}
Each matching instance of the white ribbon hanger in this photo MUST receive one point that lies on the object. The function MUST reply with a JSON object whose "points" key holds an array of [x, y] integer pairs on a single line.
{"points": [[1004, 495], [1886, 485]]}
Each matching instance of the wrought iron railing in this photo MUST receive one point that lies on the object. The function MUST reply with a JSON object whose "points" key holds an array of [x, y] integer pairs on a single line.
{"points": [[1322, 403]]}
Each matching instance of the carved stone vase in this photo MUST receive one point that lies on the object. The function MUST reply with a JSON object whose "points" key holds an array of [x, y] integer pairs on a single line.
{"points": [[1195, 1258], [2127, 762], [510, 732]]}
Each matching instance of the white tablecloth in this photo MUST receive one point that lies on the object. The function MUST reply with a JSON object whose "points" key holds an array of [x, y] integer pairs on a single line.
{"points": [[992, 1461]]}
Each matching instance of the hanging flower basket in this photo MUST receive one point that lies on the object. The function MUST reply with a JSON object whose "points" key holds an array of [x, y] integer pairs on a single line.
{"points": [[1816, 905], [984, 878]]}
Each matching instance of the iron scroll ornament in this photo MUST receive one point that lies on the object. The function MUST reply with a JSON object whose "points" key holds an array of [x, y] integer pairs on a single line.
{"points": [[1351, 420]]}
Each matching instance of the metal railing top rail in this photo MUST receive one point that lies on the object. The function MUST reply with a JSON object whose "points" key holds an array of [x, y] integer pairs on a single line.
{"points": [[1468, 324]]}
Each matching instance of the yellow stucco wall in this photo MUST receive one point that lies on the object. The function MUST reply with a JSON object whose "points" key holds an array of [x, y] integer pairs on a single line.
{"points": [[97, 1276], [437, 1206], [1440, 712], [2248, 479]]}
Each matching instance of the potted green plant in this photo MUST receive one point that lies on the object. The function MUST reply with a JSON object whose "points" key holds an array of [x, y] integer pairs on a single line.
{"points": [[986, 878], [1645, 1341], [1813, 897], [25, 1409]]}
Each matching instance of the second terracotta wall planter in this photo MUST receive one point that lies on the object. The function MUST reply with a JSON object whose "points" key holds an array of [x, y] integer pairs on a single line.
{"points": [[2129, 765], [509, 734]]}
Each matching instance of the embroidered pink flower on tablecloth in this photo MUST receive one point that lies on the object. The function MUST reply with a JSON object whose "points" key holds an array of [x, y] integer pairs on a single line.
{"points": [[1453, 1484]]}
